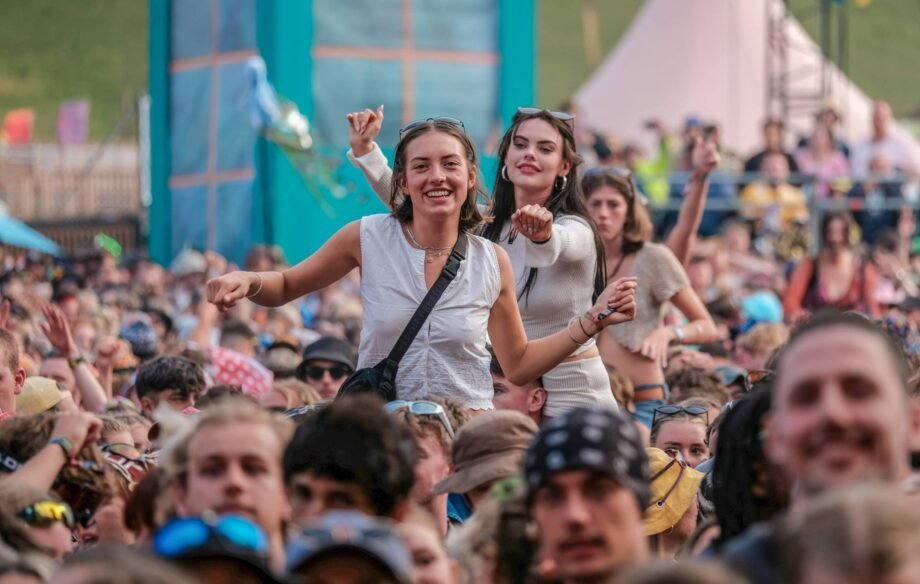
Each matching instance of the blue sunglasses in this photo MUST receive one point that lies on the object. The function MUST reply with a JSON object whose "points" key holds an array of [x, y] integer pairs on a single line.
{"points": [[185, 534]]}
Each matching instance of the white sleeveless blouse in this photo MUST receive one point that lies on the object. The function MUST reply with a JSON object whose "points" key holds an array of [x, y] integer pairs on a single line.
{"points": [[448, 358]]}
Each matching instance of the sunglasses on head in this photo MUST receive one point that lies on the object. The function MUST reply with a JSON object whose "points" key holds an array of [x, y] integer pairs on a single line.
{"points": [[565, 117], [189, 533], [669, 411], [417, 123], [45, 513], [422, 408], [302, 410], [617, 171], [336, 372]]}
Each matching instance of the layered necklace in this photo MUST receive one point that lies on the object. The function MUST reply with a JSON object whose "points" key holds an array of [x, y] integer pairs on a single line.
{"points": [[430, 252]]}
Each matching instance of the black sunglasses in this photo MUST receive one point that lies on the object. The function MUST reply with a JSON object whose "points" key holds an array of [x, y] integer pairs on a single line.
{"points": [[316, 372], [662, 413], [449, 121], [561, 116]]}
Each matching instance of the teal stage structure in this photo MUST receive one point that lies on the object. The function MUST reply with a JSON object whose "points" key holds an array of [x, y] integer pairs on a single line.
{"points": [[218, 185]]}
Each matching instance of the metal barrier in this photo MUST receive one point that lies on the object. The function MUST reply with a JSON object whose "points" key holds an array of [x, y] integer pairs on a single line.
{"points": [[731, 184]]}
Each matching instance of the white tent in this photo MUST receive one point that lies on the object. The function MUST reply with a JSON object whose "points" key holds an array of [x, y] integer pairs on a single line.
{"points": [[708, 58]]}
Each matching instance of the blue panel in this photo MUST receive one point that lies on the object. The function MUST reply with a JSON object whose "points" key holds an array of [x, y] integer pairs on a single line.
{"points": [[190, 95], [465, 91], [189, 218], [346, 85], [233, 221], [191, 28], [448, 25], [235, 138], [358, 23], [237, 25]]}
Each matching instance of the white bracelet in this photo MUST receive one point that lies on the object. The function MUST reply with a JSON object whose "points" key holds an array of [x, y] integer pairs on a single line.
{"points": [[259, 289]]}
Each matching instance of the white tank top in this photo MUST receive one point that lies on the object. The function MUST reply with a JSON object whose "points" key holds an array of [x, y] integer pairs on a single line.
{"points": [[448, 358]]}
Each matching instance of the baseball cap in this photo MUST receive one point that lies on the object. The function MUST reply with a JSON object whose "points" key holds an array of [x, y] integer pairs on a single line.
{"points": [[281, 358], [350, 532], [760, 307], [228, 539], [141, 336], [188, 262], [39, 394], [330, 349], [674, 485], [731, 374], [594, 439], [491, 446]]}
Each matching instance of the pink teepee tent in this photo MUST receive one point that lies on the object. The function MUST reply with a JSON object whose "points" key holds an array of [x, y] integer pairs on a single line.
{"points": [[709, 58]]}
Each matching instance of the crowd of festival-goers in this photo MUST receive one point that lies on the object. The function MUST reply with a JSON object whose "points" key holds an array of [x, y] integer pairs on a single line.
{"points": [[608, 389]]}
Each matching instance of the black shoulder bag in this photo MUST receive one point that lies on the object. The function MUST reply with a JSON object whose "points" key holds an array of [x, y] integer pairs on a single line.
{"points": [[380, 379]]}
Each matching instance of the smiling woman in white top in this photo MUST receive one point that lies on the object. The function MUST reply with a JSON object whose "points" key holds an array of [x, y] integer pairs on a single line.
{"points": [[540, 220], [400, 255]]}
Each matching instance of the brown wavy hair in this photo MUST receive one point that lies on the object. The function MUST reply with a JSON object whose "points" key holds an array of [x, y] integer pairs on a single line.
{"points": [[638, 227], [471, 217]]}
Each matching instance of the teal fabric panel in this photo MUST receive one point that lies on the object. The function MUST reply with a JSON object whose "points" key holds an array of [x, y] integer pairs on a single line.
{"points": [[189, 126]]}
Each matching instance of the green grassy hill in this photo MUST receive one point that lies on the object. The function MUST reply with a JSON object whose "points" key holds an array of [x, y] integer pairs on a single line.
{"points": [[54, 50]]}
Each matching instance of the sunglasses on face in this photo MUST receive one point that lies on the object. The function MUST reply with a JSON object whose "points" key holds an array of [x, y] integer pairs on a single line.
{"points": [[449, 121], [189, 533], [336, 372], [664, 412], [422, 408], [45, 513], [565, 117]]}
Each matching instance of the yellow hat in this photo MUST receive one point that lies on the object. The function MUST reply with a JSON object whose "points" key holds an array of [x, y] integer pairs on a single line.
{"points": [[39, 394], [674, 485]]}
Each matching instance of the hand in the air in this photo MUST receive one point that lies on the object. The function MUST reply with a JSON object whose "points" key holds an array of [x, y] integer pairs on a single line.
{"points": [[363, 128]]}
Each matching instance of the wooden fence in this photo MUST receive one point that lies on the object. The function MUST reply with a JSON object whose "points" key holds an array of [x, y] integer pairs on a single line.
{"points": [[33, 195]]}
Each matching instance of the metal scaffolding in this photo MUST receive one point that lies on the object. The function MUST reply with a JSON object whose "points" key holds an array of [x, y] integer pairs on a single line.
{"points": [[783, 101]]}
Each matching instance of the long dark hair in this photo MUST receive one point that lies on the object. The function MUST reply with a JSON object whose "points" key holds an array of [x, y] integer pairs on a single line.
{"points": [[565, 201], [470, 215], [739, 457]]}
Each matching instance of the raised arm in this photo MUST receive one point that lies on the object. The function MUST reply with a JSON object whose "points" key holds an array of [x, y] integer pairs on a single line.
{"points": [[363, 128], [682, 238], [338, 256], [567, 239], [523, 360], [57, 331]]}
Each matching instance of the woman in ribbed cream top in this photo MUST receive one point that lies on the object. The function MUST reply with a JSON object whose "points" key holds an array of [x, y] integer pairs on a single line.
{"points": [[436, 180], [539, 218]]}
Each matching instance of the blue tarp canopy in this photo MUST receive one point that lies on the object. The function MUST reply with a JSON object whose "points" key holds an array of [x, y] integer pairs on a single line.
{"points": [[14, 232]]}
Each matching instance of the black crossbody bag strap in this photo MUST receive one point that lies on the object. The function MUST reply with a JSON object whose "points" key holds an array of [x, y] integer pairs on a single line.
{"points": [[457, 255]]}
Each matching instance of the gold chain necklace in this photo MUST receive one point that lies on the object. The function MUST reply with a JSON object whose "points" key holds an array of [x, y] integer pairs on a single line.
{"points": [[430, 252]]}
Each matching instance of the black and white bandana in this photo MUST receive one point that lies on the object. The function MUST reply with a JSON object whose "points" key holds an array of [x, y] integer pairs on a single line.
{"points": [[599, 440]]}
